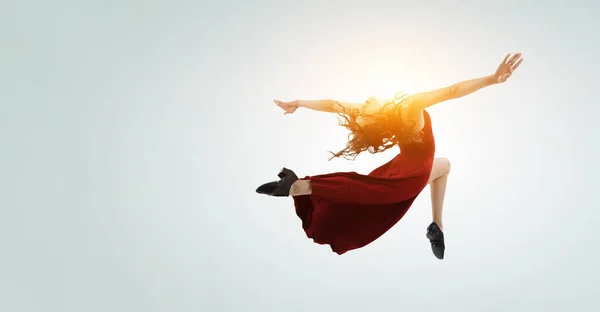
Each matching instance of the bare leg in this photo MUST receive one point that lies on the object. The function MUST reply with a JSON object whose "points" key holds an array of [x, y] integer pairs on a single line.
{"points": [[301, 187], [438, 181]]}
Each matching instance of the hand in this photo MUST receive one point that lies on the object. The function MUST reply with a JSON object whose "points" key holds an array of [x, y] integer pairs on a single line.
{"points": [[288, 107], [507, 67]]}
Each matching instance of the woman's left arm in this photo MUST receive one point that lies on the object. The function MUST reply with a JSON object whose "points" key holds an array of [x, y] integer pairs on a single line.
{"points": [[423, 100]]}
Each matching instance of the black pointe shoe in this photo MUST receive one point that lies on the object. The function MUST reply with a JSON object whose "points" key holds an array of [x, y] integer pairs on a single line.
{"points": [[279, 188], [436, 238]]}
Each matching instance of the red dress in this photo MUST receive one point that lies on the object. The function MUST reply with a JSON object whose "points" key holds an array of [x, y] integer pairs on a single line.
{"points": [[348, 210]]}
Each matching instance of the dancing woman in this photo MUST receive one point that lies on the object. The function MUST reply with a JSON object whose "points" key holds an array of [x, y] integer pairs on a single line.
{"points": [[347, 210]]}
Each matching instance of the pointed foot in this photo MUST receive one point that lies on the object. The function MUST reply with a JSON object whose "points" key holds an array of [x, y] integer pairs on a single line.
{"points": [[279, 188], [436, 238]]}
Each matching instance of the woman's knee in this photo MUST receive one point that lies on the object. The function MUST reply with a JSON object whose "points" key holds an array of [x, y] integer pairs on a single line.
{"points": [[445, 165], [442, 166]]}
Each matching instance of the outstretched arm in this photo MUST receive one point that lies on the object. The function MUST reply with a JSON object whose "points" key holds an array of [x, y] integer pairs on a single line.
{"points": [[329, 106], [425, 99]]}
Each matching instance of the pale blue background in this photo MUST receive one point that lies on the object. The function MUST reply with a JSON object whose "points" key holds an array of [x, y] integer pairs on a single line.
{"points": [[134, 134]]}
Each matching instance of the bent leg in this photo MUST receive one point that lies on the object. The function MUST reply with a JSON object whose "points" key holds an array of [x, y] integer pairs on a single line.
{"points": [[437, 183], [301, 188]]}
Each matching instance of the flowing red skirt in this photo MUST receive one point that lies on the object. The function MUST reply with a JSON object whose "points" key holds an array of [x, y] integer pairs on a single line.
{"points": [[348, 210]]}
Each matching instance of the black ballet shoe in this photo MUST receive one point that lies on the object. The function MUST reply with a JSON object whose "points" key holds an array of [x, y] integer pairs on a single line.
{"points": [[436, 238], [279, 188]]}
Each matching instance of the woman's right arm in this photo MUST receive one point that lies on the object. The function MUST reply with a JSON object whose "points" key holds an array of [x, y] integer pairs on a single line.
{"points": [[329, 106]]}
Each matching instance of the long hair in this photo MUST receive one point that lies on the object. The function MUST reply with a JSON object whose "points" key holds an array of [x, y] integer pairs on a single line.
{"points": [[384, 130]]}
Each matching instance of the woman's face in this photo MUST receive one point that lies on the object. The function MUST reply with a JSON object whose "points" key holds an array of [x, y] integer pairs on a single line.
{"points": [[371, 105]]}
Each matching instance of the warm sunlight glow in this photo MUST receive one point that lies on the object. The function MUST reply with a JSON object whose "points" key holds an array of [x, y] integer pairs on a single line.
{"points": [[386, 79]]}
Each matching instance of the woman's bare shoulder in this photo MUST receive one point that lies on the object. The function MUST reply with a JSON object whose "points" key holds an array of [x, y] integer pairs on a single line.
{"points": [[412, 116]]}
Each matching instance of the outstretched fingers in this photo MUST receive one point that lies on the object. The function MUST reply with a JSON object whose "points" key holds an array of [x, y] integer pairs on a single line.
{"points": [[517, 64], [514, 61]]}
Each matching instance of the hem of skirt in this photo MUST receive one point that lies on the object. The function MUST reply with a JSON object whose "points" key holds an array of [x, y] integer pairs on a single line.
{"points": [[331, 246]]}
